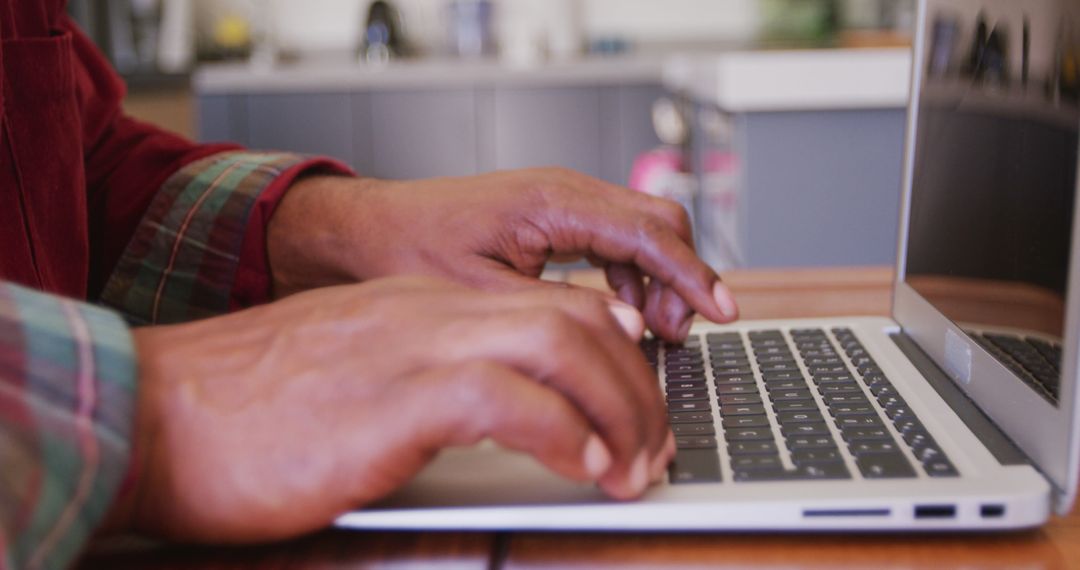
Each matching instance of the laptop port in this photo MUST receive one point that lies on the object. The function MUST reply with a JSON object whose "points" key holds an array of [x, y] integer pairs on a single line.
{"points": [[992, 511], [935, 511], [818, 513]]}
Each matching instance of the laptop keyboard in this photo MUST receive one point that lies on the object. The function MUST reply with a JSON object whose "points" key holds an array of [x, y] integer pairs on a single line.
{"points": [[788, 404]]}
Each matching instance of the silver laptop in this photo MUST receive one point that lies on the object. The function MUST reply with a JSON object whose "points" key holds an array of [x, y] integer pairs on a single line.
{"points": [[959, 412]]}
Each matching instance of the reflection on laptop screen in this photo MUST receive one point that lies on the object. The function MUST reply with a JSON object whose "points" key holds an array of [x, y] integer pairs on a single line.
{"points": [[995, 176]]}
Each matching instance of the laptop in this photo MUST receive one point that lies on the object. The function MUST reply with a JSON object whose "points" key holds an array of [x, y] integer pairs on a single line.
{"points": [[959, 412]]}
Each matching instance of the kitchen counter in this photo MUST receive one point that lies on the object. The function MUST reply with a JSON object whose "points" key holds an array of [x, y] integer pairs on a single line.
{"points": [[794, 80]]}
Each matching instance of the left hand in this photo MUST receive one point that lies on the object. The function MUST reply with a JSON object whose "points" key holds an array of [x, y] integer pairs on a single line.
{"points": [[496, 232]]}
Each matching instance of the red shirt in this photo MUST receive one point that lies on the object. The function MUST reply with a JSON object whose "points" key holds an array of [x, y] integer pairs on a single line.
{"points": [[76, 175]]}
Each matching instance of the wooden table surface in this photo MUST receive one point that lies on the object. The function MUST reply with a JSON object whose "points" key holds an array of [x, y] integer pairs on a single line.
{"points": [[761, 294]]}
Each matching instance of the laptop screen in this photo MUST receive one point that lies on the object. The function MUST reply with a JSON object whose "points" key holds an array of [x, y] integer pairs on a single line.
{"points": [[995, 175]]}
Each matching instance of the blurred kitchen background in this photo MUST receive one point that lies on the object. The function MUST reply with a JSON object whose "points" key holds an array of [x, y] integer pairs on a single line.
{"points": [[777, 123]]}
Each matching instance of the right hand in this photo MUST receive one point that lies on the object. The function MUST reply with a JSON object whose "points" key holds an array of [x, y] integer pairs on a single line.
{"points": [[271, 422]]}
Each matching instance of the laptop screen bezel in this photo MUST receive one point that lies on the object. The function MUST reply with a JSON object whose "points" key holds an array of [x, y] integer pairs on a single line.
{"points": [[1048, 435]]}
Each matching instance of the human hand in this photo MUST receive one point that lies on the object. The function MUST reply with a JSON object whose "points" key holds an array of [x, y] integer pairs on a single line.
{"points": [[496, 232], [271, 422]]}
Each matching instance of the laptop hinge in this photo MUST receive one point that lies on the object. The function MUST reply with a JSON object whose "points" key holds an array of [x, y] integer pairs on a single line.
{"points": [[999, 444]]}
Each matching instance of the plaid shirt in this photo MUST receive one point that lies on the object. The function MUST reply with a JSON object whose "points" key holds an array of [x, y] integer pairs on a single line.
{"points": [[67, 369]]}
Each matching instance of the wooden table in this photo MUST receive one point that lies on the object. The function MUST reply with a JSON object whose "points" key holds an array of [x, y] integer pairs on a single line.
{"points": [[761, 294]]}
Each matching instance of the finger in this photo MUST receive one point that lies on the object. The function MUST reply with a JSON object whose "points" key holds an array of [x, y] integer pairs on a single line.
{"points": [[465, 404], [556, 350], [627, 282]]}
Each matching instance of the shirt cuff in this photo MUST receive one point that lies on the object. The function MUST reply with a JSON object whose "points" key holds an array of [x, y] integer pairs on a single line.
{"points": [[67, 407], [200, 250]]}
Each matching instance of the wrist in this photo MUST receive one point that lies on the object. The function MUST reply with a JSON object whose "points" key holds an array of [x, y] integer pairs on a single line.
{"points": [[311, 238]]}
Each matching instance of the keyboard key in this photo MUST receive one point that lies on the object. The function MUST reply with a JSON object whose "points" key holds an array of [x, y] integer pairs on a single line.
{"points": [[694, 466], [841, 410], [735, 399], [832, 389], [802, 442], [693, 429], [831, 470], [868, 421], [688, 395], [781, 376], [752, 448], [729, 362], [742, 410], [741, 379], [698, 406], [784, 418], [762, 475], [898, 412], [790, 395], [866, 434], [689, 417], [755, 462], [686, 385], [732, 370], [689, 368], [785, 385], [885, 466], [745, 422], [815, 456], [728, 389], [795, 430], [748, 434], [685, 376], [695, 442], [940, 467], [849, 398], [905, 425], [779, 358], [859, 448], [795, 406], [779, 367]]}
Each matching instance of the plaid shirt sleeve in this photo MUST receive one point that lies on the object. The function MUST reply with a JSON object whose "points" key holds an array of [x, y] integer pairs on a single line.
{"points": [[199, 250], [67, 401]]}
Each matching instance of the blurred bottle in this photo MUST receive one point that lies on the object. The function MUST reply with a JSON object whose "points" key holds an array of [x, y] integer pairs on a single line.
{"points": [[176, 50], [471, 28], [382, 39]]}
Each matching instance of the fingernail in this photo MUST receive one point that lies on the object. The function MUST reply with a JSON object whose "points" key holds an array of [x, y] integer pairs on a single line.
{"points": [[629, 319], [597, 457], [725, 301], [684, 329], [639, 473]]}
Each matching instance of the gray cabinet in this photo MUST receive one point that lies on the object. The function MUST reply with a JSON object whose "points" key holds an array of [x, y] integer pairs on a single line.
{"points": [[419, 133]]}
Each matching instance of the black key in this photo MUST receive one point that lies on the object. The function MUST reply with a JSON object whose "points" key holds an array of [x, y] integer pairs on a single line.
{"points": [[784, 418], [741, 379], [745, 422], [893, 400], [863, 362], [694, 466], [727, 389], [798, 430], [868, 421], [885, 466], [769, 333], [817, 352], [790, 395], [684, 359], [722, 337], [781, 376], [686, 385], [698, 406], [753, 448], [687, 368], [841, 410], [693, 429], [905, 425], [688, 395], [815, 456], [779, 367], [859, 448], [830, 389], [736, 399], [833, 378], [917, 437], [824, 361], [695, 442], [732, 370], [832, 470], [765, 474], [795, 406], [867, 369], [785, 385], [729, 362], [850, 398], [755, 462], [737, 353], [742, 410], [689, 417], [748, 434], [803, 442], [775, 358], [940, 467], [927, 452], [882, 390], [866, 434], [684, 376], [897, 412], [833, 369], [727, 346], [772, 350]]}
